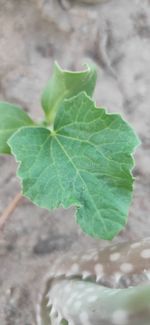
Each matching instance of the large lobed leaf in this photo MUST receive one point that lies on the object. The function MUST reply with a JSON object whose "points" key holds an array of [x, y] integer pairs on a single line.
{"points": [[11, 119], [86, 162]]}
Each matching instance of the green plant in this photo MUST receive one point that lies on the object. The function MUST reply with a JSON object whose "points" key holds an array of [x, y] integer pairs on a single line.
{"points": [[108, 286], [80, 155]]}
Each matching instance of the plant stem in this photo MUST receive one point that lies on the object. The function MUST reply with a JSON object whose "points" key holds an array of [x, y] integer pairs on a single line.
{"points": [[9, 210]]}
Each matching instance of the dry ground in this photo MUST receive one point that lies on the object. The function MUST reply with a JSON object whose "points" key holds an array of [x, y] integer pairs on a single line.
{"points": [[116, 35]]}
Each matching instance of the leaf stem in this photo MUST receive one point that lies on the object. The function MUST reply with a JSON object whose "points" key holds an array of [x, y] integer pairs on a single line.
{"points": [[10, 209]]}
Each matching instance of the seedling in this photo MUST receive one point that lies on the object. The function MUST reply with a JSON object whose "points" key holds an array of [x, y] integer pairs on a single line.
{"points": [[80, 155]]}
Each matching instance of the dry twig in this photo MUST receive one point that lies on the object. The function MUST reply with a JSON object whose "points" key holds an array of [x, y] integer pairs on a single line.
{"points": [[9, 210]]}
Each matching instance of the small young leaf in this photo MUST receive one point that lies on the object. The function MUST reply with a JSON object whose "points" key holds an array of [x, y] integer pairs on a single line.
{"points": [[65, 84], [11, 119], [86, 161]]}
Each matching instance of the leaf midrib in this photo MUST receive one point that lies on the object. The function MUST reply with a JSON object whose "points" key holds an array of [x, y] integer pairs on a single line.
{"points": [[82, 180]]}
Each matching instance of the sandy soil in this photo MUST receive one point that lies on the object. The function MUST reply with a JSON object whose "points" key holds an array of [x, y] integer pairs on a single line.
{"points": [[116, 35]]}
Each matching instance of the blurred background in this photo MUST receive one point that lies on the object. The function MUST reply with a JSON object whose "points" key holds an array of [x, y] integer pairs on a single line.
{"points": [[115, 34]]}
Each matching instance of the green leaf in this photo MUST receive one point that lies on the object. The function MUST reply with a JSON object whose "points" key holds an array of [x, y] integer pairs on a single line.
{"points": [[11, 119], [65, 84], [86, 161]]}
